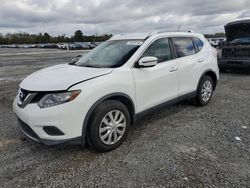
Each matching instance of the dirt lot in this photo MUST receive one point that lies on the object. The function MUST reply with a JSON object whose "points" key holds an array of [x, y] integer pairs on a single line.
{"points": [[180, 146]]}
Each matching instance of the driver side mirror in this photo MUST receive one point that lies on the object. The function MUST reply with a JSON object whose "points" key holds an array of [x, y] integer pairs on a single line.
{"points": [[148, 61]]}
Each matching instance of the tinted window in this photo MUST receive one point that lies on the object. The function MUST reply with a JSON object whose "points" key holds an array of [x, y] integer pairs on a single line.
{"points": [[160, 49], [198, 43], [183, 46]]}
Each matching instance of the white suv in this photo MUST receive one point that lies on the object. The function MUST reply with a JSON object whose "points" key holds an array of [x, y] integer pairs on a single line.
{"points": [[97, 98]]}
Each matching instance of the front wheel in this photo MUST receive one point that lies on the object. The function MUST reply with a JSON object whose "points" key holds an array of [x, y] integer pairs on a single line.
{"points": [[109, 126], [205, 91]]}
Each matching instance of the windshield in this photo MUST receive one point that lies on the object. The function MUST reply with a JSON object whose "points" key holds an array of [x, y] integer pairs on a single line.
{"points": [[245, 40], [110, 54]]}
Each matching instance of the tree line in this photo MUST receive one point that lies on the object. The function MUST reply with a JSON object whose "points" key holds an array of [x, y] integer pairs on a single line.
{"points": [[25, 38], [78, 36]]}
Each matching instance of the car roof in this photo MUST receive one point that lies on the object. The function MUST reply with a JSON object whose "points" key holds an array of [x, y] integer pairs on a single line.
{"points": [[124, 36], [155, 34]]}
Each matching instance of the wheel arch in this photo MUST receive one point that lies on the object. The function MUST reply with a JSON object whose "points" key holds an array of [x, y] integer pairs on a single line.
{"points": [[210, 73], [121, 97]]}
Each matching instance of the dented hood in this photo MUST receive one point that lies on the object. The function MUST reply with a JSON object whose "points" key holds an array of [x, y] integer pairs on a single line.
{"points": [[237, 29], [61, 77]]}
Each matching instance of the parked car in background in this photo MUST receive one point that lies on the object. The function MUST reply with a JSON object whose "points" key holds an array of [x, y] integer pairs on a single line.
{"points": [[74, 46], [211, 41], [47, 45], [28, 46], [13, 46], [33, 45], [236, 51], [62, 45], [91, 46], [70, 46], [216, 42], [83, 45], [20, 45], [99, 96], [96, 43]]}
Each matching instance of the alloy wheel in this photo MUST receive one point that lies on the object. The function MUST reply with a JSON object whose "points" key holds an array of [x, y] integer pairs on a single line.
{"points": [[206, 91]]}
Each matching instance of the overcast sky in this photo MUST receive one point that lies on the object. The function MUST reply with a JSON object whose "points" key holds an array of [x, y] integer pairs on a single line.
{"points": [[116, 16]]}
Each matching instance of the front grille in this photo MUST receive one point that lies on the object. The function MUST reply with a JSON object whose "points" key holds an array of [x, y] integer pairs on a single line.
{"points": [[27, 130], [23, 94], [26, 97]]}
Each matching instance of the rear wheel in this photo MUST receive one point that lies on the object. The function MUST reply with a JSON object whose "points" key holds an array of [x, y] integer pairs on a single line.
{"points": [[109, 126], [205, 91]]}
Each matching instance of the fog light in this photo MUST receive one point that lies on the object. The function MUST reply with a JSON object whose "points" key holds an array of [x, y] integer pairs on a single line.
{"points": [[53, 131]]}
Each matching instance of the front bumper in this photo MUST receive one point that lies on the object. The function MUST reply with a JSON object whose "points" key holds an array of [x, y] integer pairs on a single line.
{"points": [[229, 63], [29, 133], [68, 118]]}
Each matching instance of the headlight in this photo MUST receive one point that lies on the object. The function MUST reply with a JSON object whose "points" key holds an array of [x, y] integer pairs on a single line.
{"points": [[54, 99]]}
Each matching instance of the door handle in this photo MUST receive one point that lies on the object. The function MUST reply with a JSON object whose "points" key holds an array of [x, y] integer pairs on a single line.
{"points": [[200, 60], [173, 69]]}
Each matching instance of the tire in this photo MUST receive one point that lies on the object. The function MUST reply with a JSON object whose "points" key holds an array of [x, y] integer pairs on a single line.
{"points": [[204, 91], [101, 125]]}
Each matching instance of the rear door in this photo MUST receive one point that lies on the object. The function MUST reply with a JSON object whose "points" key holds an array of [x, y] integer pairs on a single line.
{"points": [[189, 63]]}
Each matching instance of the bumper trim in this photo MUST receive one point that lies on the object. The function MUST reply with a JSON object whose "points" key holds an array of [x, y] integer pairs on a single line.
{"points": [[30, 134], [73, 141], [27, 130]]}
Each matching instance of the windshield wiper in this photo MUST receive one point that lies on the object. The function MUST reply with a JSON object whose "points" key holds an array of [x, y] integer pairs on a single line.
{"points": [[92, 66]]}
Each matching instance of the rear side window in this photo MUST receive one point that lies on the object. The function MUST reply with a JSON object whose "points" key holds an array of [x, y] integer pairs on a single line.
{"points": [[184, 46], [160, 49], [199, 44]]}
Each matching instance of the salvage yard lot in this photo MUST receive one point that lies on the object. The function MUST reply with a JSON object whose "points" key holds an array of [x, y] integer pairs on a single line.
{"points": [[180, 146]]}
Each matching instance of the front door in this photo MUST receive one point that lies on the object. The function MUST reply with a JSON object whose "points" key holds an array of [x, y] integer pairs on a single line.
{"points": [[158, 84]]}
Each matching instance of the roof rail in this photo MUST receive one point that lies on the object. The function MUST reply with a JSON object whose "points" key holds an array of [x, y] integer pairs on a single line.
{"points": [[169, 30]]}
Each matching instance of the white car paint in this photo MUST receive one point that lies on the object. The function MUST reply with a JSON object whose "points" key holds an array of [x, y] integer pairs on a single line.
{"points": [[146, 87], [42, 79], [151, 85]]}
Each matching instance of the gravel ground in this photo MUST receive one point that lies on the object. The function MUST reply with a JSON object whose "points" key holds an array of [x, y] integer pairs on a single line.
{"points": [[180, 146]]}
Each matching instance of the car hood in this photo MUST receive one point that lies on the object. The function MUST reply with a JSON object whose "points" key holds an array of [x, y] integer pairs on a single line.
{"points": [[237, 29], [61, 77]]}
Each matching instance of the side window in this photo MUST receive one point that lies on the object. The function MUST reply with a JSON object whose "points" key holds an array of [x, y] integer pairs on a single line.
{"points": [[199, 44], [160, 49], [184, 46]]}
